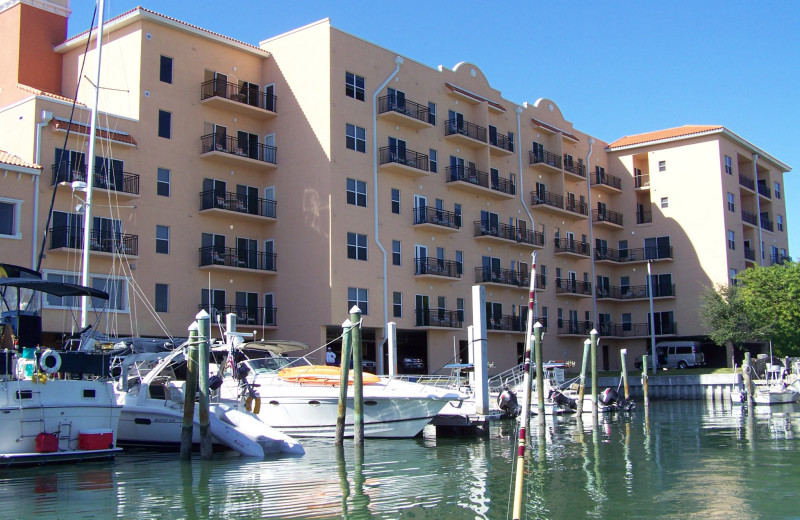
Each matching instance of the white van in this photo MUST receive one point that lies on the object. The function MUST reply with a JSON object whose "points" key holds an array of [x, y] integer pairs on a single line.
{"points": [[677, 354]]}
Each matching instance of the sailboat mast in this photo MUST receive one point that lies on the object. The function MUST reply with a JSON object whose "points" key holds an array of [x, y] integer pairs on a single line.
{"points": [[87, 215]]}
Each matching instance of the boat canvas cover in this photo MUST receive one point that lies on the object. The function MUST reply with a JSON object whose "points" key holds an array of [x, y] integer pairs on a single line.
{"points": [[54, 288]]}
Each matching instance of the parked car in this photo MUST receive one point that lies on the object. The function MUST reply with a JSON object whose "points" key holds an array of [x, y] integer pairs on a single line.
{"points": [[369, 365], [413, 365], [676, 354]]}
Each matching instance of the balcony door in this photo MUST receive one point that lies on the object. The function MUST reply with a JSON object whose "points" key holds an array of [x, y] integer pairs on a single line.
{"points": [[456, 168], [397, 150], [220, 84], [420, 209], [250, 93], [70, 165], [574, 326], [397, 99], [456, 122], [421, 259], [247, 199], [247, 252], [494, 315], [215, 304], [269, 255], [213, 249], [269, 97], [490, 223], [269, 309], [67, 230], [214, 193], [491, 269], [247, 144], [423, 310], [247, 307]]}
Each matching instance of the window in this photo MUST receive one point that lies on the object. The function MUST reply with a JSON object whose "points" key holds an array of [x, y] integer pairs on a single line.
{"points": [[664, 202], [395, 201], [662, 166], [560, 317], [356, 246], [9, 218], [269, 309], [434, 160], [166, 69], [728, 165], [733, 276], [542, 276], [457, 211], [396, 252], [356, 138], [780, 222], [460, 262], [777, 190], [162, 186], [432, 113], [164, 124], [731, 202], [543, 319], [460, 309], [360, 297], [357, 192], [115, 287], [354, 86], [162, 239], [397, 305], [162, 297], [664, 323], [731, 240], [626, 321]]}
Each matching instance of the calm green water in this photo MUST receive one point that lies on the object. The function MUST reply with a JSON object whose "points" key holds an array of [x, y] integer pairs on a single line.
{"points": [[687, 460]]}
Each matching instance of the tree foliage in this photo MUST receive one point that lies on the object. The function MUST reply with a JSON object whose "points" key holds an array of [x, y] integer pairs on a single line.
{"points": [[764, 305]]}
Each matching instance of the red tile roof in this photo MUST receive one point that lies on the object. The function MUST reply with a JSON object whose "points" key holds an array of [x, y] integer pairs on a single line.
{"points": [[670, 133], [120, 137], [38, 92], [13, 160]]}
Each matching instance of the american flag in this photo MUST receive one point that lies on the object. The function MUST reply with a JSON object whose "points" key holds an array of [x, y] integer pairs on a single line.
{"points": [[230, 364]]}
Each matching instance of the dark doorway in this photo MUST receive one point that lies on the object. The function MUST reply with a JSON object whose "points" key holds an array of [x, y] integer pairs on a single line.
{"points": [[605, 358]]}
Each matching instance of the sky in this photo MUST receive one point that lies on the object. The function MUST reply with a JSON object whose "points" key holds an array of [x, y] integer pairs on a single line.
{"points": [[614, 68]]}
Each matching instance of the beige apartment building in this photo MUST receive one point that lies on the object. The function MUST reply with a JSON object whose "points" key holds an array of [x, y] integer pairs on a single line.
{"points": [[288, 181]]}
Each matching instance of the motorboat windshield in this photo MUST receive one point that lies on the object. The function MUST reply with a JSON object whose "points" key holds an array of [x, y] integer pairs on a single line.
{"points": [[272, 365]]}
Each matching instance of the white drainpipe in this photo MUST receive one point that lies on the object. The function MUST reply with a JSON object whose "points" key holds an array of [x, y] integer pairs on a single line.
{"points": [[47, 116], [379, 354]]}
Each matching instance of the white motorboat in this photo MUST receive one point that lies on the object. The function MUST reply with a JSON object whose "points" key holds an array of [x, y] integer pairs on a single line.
{"points": [[151, 390], [308, 406], [55, 406]]}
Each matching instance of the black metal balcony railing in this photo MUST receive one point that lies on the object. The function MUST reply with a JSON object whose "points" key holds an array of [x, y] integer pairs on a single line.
{"points": [[607, 179], [747, 182], [641, 181], [479, 178], [121, 182], [452, 127], [232, 145], [406, 157], [555, 200], [575, 327], [240, 94], [508, 232], [766, 223], [438, 318], [779, 259], [391, 103], [245, 315], [428, 265], [644, 216], [573, 287], [501, 141], [764, 190], [440, 217], [238, 203], [749, 254], [544, 157], [567, 245], [639, 254], [635, 292], [750, 218], [101, 242], [506, 323], [627, 330], [607, 215], [502, 276], [243, 258], [575, 168]]}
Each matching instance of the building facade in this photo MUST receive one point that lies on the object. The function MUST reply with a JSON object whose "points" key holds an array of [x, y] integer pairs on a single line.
{"points": [[288, 181]]}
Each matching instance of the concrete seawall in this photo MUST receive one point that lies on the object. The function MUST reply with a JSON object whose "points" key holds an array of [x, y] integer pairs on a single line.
{"points": [[712, 387]]}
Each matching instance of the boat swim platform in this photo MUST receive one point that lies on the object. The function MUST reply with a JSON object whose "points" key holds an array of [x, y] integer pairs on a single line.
{"points": [[462, 424], [72, 456]]}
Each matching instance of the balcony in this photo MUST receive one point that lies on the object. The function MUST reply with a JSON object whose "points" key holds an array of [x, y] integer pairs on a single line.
{"points": [[747, 182], [573, 170], [403, 162], [506, 232], [437, 219], [438, 318], [480, 182], [641, 181], [212, 201], [635, 292], [123, 185], [573, 288], [635, 330], [571, 247], [636, 255], [545, 160], [466, 133], [245, 315], [644, 216], [606, 182], [764, 190], [766, 223], [779, 259], [229, 149], [239, 259], [236, 98], [749, 218], [506, 323], [102, 243], [574, 328], [556, 203], [403, 112], [500, 144], [750, 254], [607, 218], [501, 277], [428, 266]]}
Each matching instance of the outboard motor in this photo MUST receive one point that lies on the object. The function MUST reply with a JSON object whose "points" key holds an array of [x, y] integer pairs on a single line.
{"points": [[563, 401], [241, 372], [609, 396], [507, 401]]}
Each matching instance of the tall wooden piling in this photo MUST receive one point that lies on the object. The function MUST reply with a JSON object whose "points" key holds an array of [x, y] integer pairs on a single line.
{"points": [[624, 359], [582, 386], [189, 391], [645, 383], [748, 383], [203, 351], [358, 377], [593, 338], [344, 381], [537, 344]]}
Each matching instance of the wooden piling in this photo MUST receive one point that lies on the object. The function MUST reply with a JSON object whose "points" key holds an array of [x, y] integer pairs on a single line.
{"points": [[189, 391], [537, 345], [593, 337], [203, 351], [624, 359], [358, 378], [582, 386], [748, 384], [645, 383], [344, 380]]}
